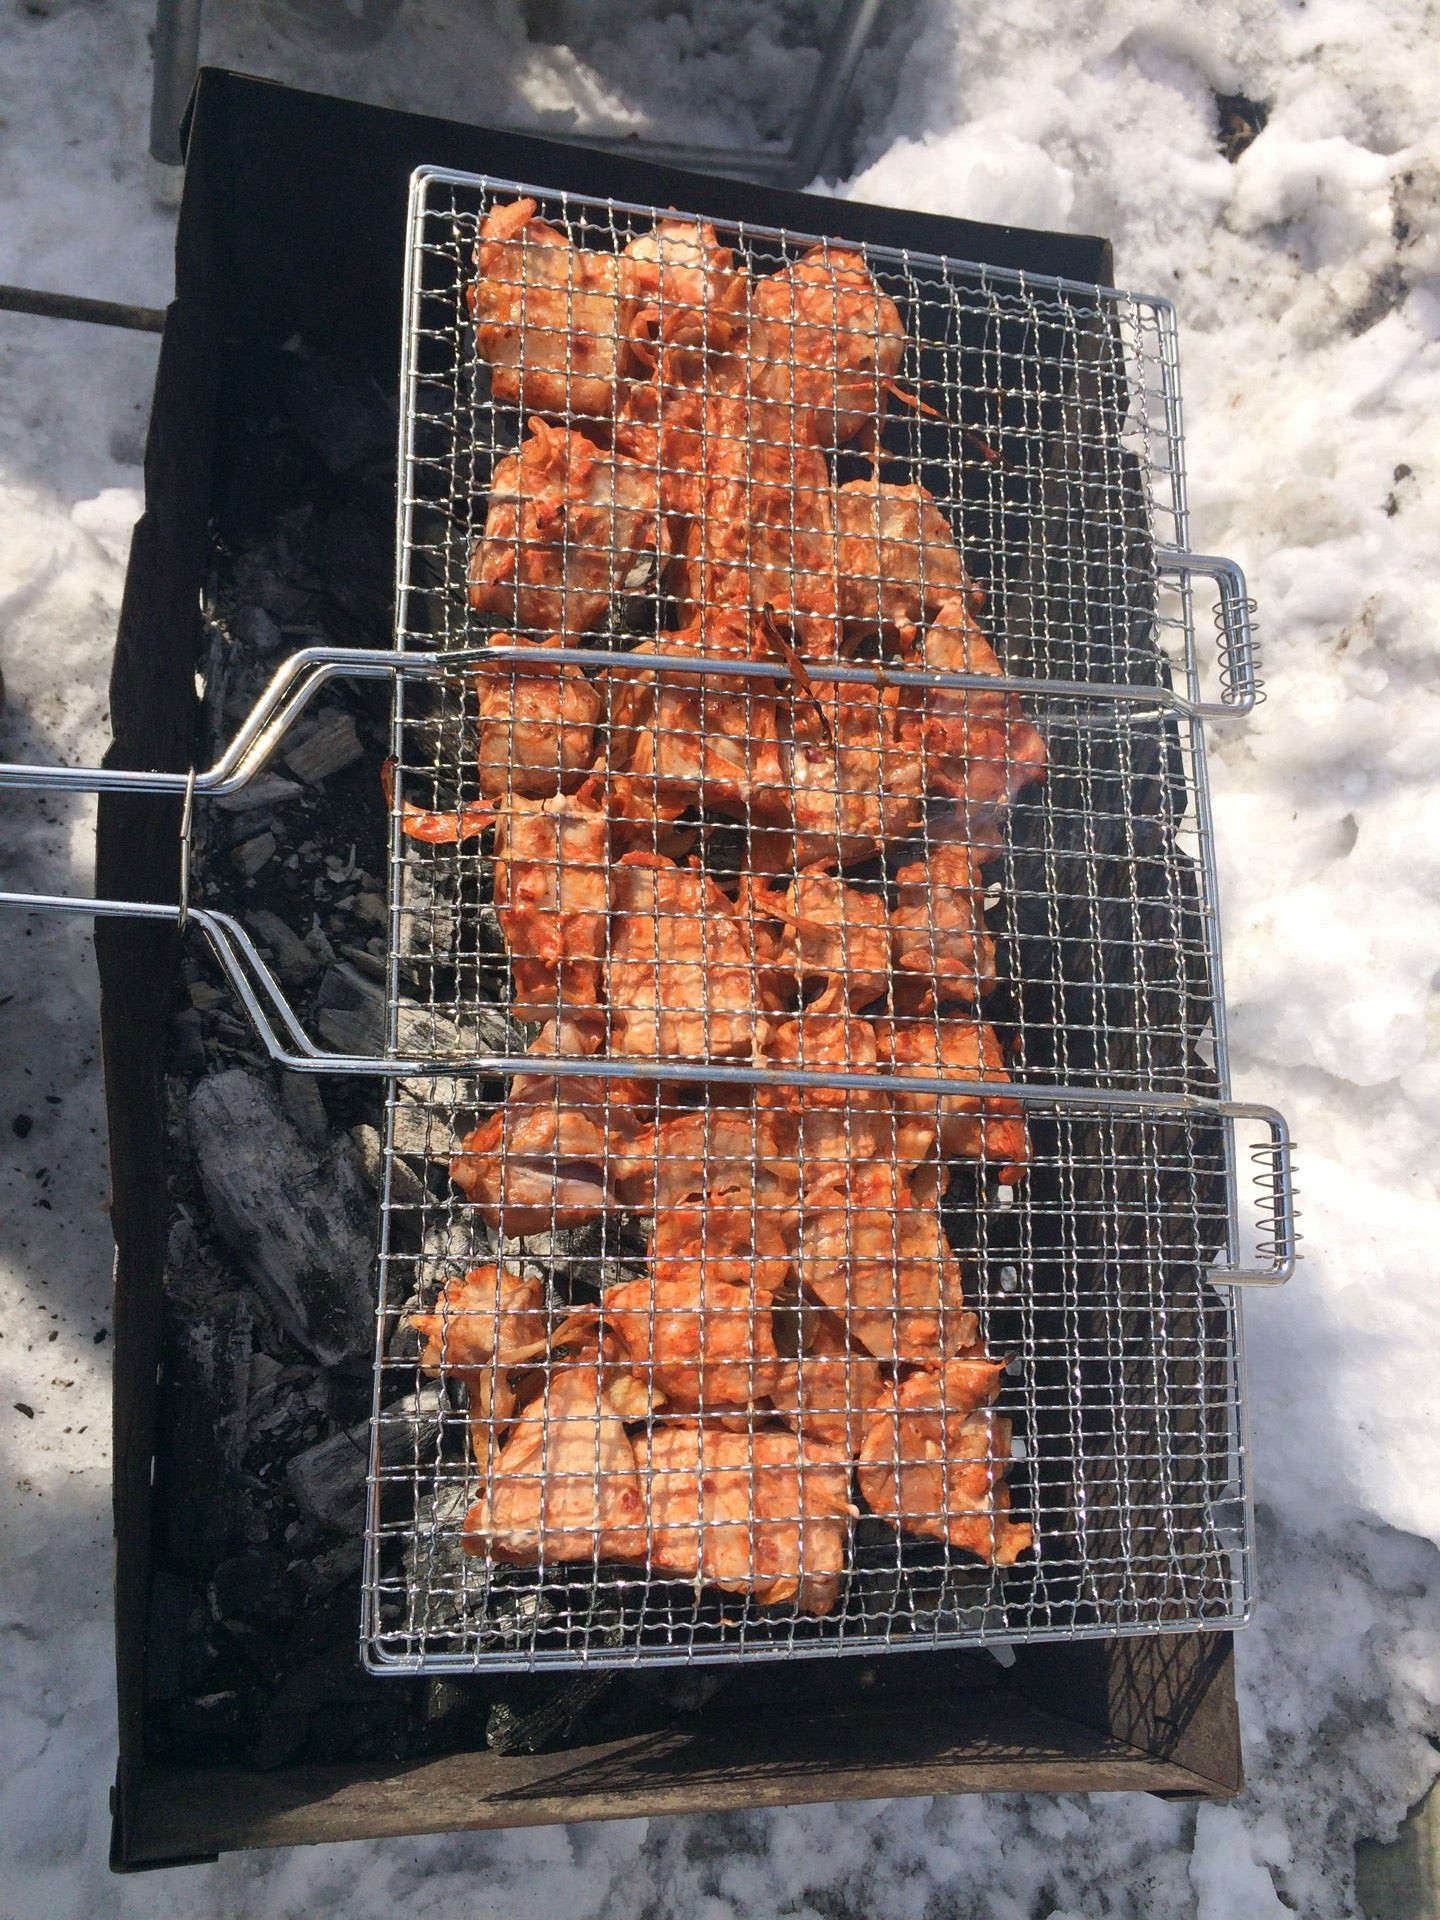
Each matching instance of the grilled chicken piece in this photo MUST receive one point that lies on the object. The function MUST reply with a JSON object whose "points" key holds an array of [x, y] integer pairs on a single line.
{"points": [[701, 1345], [711, 740], [938, 929], [882, 1265], [551, 895], [825, 341], [825, 1393], [483, 1323], [836, 936], [976, 747], [764, 534], [536, 725], [755, 1513], [851, 793], [834, 1128], [541, 1161], [679, 286], [568, 527], [564, 1484], [547, 316], [934, 1460], [683, 980], [898, 560], [961, 1128]]}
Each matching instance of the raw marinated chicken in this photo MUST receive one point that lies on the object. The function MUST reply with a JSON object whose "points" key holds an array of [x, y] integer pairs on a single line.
{"points": [[880, 1262], [682, 979], [826, 1391], [708, 740], [551, 896], [547, 316], [765, 531], [898, 560], [851, 794], [825, 342], [700, 1345], [569, 527], [934, 1460], [679, 285], [535, 725], [938, 930], [482, 1324], [564, 1484], [834, 1128], [834, 936], [961, 1128], [541, 1160], [756, 1513], [976, 747]]}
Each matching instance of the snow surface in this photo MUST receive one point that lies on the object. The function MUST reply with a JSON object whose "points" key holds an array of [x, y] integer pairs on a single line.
{"points": [[1307, 279]]}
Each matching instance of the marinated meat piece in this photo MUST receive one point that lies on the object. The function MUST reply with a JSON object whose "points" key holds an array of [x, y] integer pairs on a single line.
{"points": [[547, 316], [836, 936], [765, 532], [882, 1265], [551, 896], [701, 1345], [483, 1323], [826, 342], [536, 725], [898, 560], [849, 792], [991, 1130], [682, 978], [567, 527], [976, 747], [825, 1393], [541, 1161], [706, 740], [934, 1460], [679, 284], [564, 1485], [834, 1128], [755, 1513], [938, 929]]}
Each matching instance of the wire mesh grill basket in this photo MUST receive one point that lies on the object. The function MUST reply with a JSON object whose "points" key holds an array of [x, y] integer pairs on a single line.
{"points": [[754, 1208]]}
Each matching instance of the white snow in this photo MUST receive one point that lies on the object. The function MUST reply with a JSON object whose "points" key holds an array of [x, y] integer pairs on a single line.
{"points": [[1307, 279]]}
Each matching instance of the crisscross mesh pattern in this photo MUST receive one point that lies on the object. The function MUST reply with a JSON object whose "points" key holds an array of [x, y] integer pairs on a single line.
{"points": [[673, 1365]]}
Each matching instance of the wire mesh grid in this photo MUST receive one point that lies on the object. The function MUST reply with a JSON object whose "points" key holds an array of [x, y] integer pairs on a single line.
{"points": [[712, 1334]]}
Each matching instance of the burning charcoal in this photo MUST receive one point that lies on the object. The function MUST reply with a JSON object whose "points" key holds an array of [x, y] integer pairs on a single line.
{"points": [[297, 1217], [352, 1017], [509, 1732], [291, 958], [332, 743], [371, 910], [342, 414], [406, 1187], [328, 1571], [265, 791], [328, 1479], [258, 630], [253, 1587], [251, 855], [300, 1097]]}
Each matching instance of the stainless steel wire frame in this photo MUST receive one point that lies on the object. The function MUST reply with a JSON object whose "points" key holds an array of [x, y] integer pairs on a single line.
{"points": [[1059, 465]]}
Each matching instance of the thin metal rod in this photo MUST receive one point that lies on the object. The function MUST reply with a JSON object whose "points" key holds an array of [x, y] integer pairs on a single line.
{"points": [[76, 306], [821, 113]]}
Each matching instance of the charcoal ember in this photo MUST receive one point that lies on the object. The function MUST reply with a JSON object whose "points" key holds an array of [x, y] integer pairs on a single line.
{"points": [[251, 855], [407, 1189], [253, 1587], [258, 630], [351, 1016], [685, 1689], [424, 1109], [296, 1216], [327, 1481], [328, 1708], [325, 1573], [265, 791], [292, 959], [327, 747], [338, 410], [203, 1400], [300, 1098], [553, 1721], [286, 1410]]}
